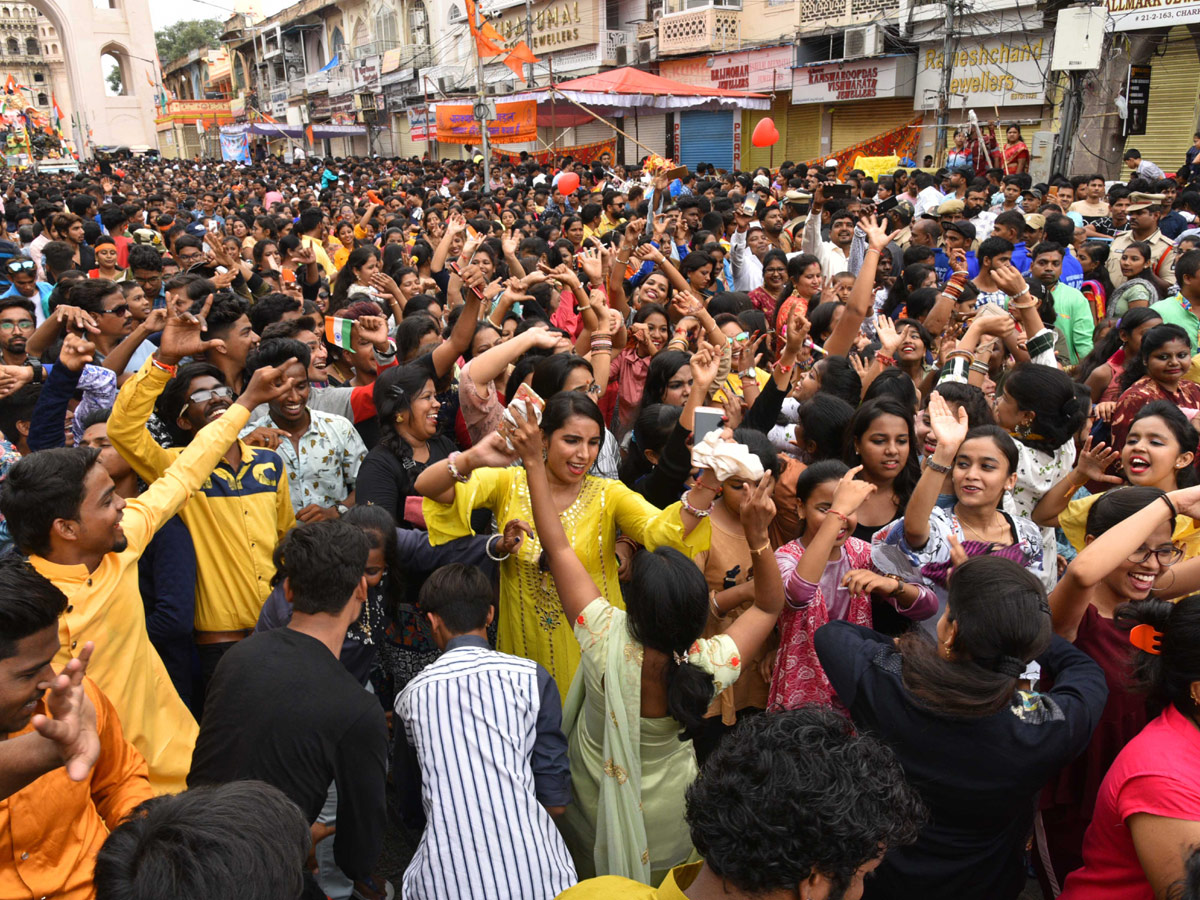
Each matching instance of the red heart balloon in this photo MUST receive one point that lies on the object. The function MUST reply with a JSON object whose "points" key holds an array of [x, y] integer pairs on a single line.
{"points": [[765, 133], [568, 183]]}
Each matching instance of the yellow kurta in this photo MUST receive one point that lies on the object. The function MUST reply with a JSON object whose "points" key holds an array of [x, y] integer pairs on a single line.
{"points": [[531, 619], [105, 606], [1073, 522]]}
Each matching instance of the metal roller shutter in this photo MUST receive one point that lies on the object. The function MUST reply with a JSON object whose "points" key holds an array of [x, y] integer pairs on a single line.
{"points": [[855, 122], [404, 143], [803, 132], [753, 157], [592, 132], [706, 137], [1171, 121], [649, 130]]}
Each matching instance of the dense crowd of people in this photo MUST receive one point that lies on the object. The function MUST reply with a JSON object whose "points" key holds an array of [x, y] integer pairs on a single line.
{"points": [[782, 533]]}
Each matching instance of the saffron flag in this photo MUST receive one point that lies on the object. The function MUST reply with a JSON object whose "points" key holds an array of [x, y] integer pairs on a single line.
{"points": [[484, 46], [519, 55], [149, 80], [337, 331], [308, 133]]}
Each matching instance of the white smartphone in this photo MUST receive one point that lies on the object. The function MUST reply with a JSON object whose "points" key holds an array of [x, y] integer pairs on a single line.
{"points": [[707, 419]]}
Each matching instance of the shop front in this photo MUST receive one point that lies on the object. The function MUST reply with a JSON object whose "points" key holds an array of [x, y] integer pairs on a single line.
{"points": [[999, 76], [1164, 134], [852, 100]]}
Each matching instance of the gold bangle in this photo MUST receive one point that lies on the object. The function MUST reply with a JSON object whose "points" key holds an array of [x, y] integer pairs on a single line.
{"points": [[766, 546]]}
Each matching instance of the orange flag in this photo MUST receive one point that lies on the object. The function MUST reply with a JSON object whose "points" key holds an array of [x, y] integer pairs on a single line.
{"points": [[484, 44], [309, 134], [523, 53], [515, 64], [489, 32], [10, 85]]}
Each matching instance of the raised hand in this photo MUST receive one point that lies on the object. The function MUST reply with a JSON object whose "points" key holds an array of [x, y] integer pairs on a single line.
{"points": [[266, 384], [76, 353], [850, 493], [1009, 279], [889, 338], [797, 331], [181, 334], [75, 320], [758, 510], [875, 228], [705, 363], [526, 437], [71, 724], [949, 429], [1094, 462]]}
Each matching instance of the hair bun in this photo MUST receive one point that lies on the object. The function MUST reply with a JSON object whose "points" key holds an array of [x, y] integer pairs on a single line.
{"points": [[1009, 666]]}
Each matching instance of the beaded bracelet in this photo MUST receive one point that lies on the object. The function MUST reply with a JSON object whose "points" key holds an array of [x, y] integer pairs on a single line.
{"points": [[883, 359], [454, 473], [688, 508]]}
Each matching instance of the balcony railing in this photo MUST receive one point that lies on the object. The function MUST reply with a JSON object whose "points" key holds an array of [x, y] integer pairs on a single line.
{"points": [[613, 40], [700, 31], [372, 48]]}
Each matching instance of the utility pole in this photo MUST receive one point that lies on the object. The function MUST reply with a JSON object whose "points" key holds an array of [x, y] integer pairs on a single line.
{"points": [[949, 51], [529, 39], [481, 106]]}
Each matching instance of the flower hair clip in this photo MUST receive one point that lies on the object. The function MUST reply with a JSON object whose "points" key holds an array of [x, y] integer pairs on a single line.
{"points": [[1146, 637]]}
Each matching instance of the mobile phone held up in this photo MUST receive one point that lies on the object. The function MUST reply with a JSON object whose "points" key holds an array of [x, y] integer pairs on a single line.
{"points": [[707, 419]]}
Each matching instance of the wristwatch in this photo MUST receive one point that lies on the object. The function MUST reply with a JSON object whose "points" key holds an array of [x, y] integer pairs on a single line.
{"points": [[39, 373], [342, 509], [937, 466]]}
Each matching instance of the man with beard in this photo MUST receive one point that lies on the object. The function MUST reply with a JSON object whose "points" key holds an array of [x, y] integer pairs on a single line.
{"points": [[245, 507], [53, 826], [16, 325], [833, 254], [772, 226], [65, 515], [975, 208]]}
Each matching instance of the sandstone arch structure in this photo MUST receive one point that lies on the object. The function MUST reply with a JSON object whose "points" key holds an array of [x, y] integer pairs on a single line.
{"points": [[124, 31]]}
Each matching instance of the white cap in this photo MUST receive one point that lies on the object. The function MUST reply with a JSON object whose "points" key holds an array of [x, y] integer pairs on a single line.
{"points": [[831, 163]]}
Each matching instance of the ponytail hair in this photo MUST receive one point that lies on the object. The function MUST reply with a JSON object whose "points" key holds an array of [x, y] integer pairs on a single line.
{"points": [[1167, 676], [1003, 622], [667, 609]]}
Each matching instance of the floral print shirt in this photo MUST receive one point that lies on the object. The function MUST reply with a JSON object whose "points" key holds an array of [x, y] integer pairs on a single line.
{"points": [[322, 466]]}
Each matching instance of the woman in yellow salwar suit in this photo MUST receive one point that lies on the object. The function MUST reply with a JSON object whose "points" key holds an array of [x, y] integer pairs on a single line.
{"points": [[592, 510]]}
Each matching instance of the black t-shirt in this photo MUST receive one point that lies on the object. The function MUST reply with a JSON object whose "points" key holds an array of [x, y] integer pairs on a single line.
{"points": [[979, 776], [282, 709]]}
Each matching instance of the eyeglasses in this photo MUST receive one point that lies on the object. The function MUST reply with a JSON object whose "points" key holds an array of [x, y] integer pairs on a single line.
{"points": [[1166, 556], [121, 309], [24, 325], [22, 265], [218, 393]]}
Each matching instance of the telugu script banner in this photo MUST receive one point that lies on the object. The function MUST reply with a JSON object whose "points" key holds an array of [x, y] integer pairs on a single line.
{"points": [[515, 123]]}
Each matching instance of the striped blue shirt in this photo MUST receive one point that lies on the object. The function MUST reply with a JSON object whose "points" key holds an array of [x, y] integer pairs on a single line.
{"points": [[487, 730]]}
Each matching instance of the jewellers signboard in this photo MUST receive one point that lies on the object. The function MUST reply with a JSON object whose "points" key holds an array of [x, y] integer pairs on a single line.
{"points": [[1130, 15], [869, 79], [556, 26], [760, 71], [998, 71]]}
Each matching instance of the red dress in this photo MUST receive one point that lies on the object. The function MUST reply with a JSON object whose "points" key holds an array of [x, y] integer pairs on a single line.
{"points": [[1069, 798]]}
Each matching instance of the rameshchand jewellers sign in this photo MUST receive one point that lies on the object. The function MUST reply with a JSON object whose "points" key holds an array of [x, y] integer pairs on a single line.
{"points": [[1130, 15], [1000, 71]]}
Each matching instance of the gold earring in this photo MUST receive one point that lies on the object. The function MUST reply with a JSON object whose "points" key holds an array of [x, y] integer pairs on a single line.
{"points": [[400, 419]]}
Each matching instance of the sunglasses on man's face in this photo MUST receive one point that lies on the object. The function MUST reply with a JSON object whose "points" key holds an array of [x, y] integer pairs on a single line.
{"points": [[121, 309]]}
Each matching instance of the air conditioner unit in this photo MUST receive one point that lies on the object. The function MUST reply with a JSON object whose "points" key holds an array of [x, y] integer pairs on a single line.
{"points": [[446, 85], [646, 51], [364, 101], [860, 42], [622, 56]]}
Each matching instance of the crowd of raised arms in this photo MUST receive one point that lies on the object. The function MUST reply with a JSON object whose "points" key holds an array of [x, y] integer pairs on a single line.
{"points": [[787, 534]]}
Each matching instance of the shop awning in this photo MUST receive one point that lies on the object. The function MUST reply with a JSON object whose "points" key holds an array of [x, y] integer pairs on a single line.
{"points": [[619, 91], [319, 131]]}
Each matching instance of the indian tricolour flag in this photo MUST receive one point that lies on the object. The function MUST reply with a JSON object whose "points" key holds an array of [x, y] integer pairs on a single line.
{"points": [[337, 331]]}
